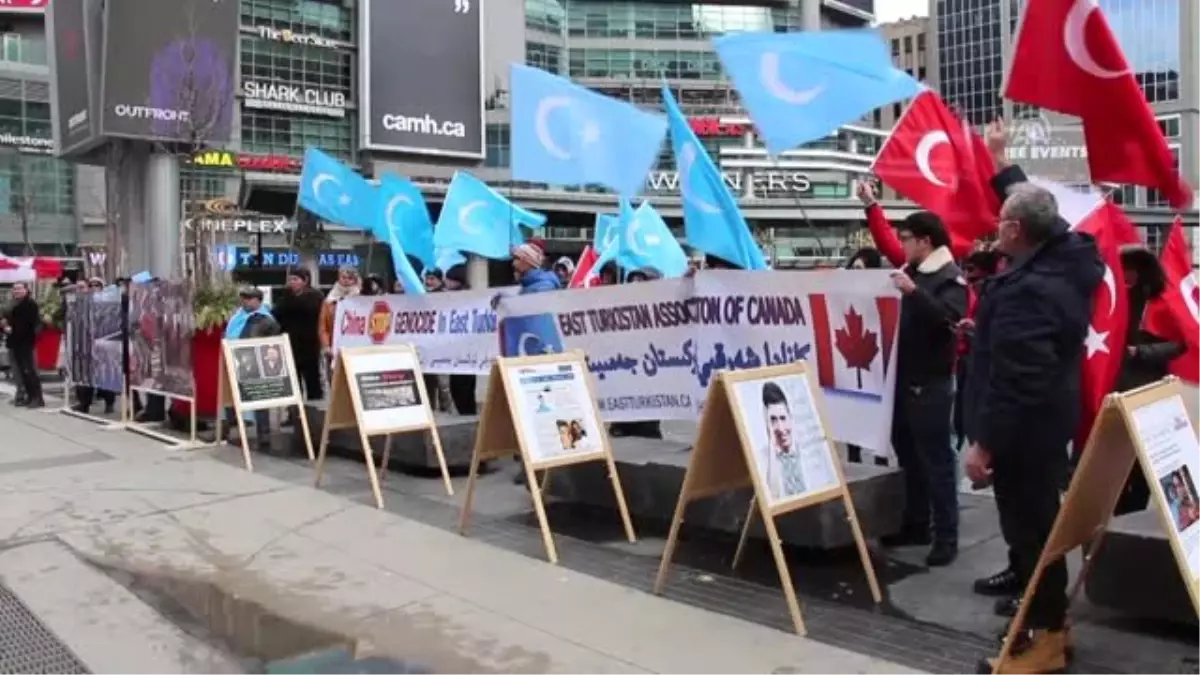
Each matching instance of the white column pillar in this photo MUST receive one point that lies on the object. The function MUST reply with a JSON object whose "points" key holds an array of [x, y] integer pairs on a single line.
{"points": [[810, 14], [477, 271], [162, 215]]}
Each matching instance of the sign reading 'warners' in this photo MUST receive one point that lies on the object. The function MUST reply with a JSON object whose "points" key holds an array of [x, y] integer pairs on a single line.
{"points": [[294, 98], [766, 183]]}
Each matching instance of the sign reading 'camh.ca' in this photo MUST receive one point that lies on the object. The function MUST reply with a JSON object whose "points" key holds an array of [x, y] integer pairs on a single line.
{"points": [[293, 98]]}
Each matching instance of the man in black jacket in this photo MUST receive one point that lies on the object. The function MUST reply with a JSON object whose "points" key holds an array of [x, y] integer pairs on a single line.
{"points": [[298, 311], [934, 301], [1022, 402], [24, 320]]}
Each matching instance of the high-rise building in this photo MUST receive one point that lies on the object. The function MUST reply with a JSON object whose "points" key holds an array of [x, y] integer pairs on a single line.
{"points": [[909, 41], [972, 48]]}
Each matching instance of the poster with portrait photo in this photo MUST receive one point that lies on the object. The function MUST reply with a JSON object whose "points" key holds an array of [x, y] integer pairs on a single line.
{"points": [[389, 392], [1165, 432], [554, 410], [262, 373], [792, 457]]}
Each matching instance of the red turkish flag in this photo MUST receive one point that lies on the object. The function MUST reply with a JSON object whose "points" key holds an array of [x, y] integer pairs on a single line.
{"points": [[1175, 315], [937, 161], [1104, 346], [1066, 59], [585, 276]]}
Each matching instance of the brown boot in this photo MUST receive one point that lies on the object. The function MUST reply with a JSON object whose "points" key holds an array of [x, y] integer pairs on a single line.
{"points": [[1035, 651], [1068, 640]]}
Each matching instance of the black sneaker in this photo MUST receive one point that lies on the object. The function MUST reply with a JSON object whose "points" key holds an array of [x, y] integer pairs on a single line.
{"points": [[943, 553], [35, 404], [520, 478], [909, 536], [1003, 583]]}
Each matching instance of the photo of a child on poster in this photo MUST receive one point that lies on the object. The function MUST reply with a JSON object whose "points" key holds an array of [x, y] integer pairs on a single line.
{"points": [[556, 413], [791, 455]]}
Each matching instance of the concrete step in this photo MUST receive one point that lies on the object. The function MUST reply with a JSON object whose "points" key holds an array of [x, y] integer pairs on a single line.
{"points": [[96, 620]]}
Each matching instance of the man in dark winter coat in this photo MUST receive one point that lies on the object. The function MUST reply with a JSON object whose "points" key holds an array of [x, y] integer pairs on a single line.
{"points": [[298, 312], [1022, 400], [22, 323], [934, 300]]}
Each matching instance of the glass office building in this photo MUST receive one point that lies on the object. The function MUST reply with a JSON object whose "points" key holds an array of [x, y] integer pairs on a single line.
{"points": [[37, 200], [973, 45]]}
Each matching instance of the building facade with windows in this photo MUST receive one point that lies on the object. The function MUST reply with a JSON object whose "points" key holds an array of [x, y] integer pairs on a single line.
{"points": [[1161, 39], [909, 41], [37, 204]]}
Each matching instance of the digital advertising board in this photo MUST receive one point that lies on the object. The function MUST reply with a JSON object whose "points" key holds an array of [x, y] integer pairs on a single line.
{"points": [[70, 86], [421, 68]]}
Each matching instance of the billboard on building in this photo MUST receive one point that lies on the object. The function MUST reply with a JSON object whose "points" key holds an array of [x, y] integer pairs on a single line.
{"points": [[70, 93], [421, 64], [1048, 147], [169, 70]]}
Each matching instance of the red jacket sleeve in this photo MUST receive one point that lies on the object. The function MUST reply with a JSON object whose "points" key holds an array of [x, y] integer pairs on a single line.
{"points": [[886, 239]]}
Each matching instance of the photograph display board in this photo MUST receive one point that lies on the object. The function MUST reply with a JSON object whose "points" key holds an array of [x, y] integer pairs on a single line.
{"points": [[554, 408], [765, 429], [542, 410], [1147, 427], [379, 391], [791, 453], [257, 374], [389, 388]]}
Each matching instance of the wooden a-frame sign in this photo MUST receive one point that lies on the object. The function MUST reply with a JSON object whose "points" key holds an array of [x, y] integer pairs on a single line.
{"points": [[346, 408], [503, 433], [723, 461], [229, 394], [1113, 448]]}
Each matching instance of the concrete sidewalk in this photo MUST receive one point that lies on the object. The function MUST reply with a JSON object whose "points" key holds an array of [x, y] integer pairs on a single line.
{"points": [[407, 590]]}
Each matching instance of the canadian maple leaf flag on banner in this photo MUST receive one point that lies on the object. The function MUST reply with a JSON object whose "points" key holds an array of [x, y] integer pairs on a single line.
{"points": [[584, 276], [854, 338], [1175, 315], [935, 159], [1067, 59]]}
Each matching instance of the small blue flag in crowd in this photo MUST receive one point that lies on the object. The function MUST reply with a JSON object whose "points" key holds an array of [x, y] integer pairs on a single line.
{"points": [[800, 87], [445, 258], [333, 192], [564, 134], [639, 239], [404, 214], [477, 219], [712, 221]]}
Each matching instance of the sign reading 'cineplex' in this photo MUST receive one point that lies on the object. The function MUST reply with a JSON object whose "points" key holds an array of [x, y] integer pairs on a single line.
{"points": [[222, 215], [224, 159], [294, 98]]}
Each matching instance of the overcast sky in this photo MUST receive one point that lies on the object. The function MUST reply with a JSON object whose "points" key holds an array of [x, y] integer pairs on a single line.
{"points": [[891, 10]]}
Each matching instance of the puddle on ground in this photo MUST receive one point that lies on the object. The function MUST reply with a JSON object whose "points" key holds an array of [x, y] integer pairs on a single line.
{"points": [[260, 640]]}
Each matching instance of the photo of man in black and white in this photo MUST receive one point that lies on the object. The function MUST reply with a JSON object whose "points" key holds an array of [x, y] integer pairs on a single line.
{"points": [[272, 361], [247, 364]]}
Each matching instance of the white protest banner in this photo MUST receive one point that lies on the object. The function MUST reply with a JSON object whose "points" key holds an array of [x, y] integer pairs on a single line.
{"points": [[654, 347], [454, 332]]}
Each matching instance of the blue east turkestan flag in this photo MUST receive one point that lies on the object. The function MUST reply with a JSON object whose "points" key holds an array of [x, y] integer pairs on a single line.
{"points": [[477, 219], [800, 87], [639, 239], [712, 221], [405, 214], [564, 134], [335, 193]]}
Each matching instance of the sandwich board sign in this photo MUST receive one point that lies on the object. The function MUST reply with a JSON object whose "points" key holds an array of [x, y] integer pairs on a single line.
{"points": [[764, 429], [380, 391], [1148, 428], [258, 374], [542, 409]]}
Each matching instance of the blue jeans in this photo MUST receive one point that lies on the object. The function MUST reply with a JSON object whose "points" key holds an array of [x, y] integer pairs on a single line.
{"points": [[921, 437]]}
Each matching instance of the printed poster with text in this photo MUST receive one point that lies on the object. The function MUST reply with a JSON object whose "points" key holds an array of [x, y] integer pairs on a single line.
{"points": [[1170, 442], [261, 374], [388, 391], [554, 411]]}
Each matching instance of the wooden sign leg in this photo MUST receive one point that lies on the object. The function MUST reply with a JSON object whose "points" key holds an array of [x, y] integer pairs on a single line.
{"points": [[540, 509], [785, 575], [307, 432], [745, 535], [441, 456], [372, 475], [673, 534], [1014, 626], [464, 519], [241, 424], [324, 448], [386, 458], [620, 495], [863, 551]]}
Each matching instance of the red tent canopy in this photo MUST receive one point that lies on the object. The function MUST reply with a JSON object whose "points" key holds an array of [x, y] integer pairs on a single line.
{"points": [[28, 269]]}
